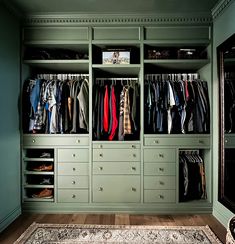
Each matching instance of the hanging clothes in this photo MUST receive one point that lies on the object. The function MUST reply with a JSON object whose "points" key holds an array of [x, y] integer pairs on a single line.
{"points": [[176, 106], [56, 106], [116, 110]]}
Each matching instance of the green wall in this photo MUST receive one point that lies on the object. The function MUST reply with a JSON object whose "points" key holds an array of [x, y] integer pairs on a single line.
{"points": [[223, 27], [9, 118]]}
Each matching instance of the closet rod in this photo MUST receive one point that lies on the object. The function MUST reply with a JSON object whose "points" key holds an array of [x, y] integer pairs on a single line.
{"points": [[189, 151], [122, 79]]}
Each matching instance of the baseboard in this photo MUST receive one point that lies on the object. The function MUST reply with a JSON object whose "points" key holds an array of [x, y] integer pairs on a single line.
{"points": [[10, 218], [222, 214]]}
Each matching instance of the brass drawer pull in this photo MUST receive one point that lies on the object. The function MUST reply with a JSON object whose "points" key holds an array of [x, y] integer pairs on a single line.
{"points": [[73, 182], [78, 141], [156, 141], [161, 183], [161, 155], [74, 169], [161, 169], [133, 146], [101, 155], [133, 168], [73, 155], [33, 140], [100, 189], [100, 168], [73, 196], [161, 196], [133, 189]]}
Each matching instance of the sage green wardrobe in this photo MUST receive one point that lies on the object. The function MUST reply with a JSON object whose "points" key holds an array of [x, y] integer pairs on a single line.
{"points": [[140, 176], [10, 178]]}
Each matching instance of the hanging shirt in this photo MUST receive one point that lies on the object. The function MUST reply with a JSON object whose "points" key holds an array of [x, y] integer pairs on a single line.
{"points": [[114, 115], [106, 110], [127, 115]]}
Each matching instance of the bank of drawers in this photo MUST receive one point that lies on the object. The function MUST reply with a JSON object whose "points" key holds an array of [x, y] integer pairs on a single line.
{"points": [[73, 180], [116, 172], [159, 175]]}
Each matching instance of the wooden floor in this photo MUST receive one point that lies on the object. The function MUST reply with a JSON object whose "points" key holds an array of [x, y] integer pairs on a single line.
{"points": [[9, 235]]}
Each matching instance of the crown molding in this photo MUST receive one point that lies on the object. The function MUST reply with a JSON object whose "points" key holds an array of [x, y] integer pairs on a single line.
{"points": [[113, 19], [220, 8]]}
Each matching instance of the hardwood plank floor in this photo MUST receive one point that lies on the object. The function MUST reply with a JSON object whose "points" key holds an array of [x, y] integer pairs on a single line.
{"points": [[9, 235]]}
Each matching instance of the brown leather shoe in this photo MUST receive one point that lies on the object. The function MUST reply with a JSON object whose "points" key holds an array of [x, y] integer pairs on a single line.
{"points": [[44, 168], [45, 193]]}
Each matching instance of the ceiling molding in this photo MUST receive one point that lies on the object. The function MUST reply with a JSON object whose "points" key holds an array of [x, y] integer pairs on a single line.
{"points": [[100, 19], [220, 8]]}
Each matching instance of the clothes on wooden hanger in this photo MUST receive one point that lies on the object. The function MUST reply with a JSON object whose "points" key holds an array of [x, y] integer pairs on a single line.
{"points": [[56, 106], [176, 106], [116, 110]]}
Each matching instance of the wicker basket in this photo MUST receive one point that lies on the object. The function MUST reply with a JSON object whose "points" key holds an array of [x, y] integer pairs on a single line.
{"points": [[230, 237]]}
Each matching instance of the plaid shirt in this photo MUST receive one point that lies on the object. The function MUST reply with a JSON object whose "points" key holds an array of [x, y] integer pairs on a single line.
{"points": [[127, 116]]}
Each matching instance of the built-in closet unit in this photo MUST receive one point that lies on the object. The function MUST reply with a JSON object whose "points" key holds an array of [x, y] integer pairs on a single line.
{"points": [[140, 170]]}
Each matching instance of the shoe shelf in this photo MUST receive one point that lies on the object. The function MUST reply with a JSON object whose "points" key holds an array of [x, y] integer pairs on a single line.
{"points": [[38, 186], [39, 159], [29, 199], [28, 172]]}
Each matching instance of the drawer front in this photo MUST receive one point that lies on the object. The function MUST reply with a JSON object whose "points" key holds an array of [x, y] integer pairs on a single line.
{"points": [[73, 155], [159, 155], [38, 140], [72, 181], [159, 182], [73, 169], [111, 145], [57, 34], [159, 196], [116, 168], [177, 33], [118, 155], [116, 189], [159, 169], [200, 141], [68, 195], [116, 33]]}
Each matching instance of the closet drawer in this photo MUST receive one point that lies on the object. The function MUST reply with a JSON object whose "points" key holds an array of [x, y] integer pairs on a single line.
{"points": [[192, 140], [183, 33], [55, 34], [118, 155], [55, 140], [116, 33], [159, 182], [68, 195], [73, 155], [72, 168], [159, 155], [112, 145], [72, 181], [159, 169], [102, 168], [159, 196], [116, 189]]}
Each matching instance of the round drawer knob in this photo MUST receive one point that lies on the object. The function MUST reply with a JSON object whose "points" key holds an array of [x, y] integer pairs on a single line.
{"points": [[73, 182], [101, 155], [201, 141], [161, 169], [133, 168], [74, 169], [73, 155], [78, 141], [100, 146], [161, 155], [161, 183], [100, 189], [161, 196], [156, 141], [134, 155], [73, 196], [133, 188], [33, 140], [133, 146], [226, 141], [100, 168]]}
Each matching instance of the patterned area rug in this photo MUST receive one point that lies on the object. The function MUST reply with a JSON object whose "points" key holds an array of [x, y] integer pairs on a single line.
{"points": [[76, 233]]}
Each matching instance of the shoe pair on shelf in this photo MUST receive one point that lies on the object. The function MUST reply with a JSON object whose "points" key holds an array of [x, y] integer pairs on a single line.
{"points": [[44, 167], [45, 193], [46, 181], [45, 155]]}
